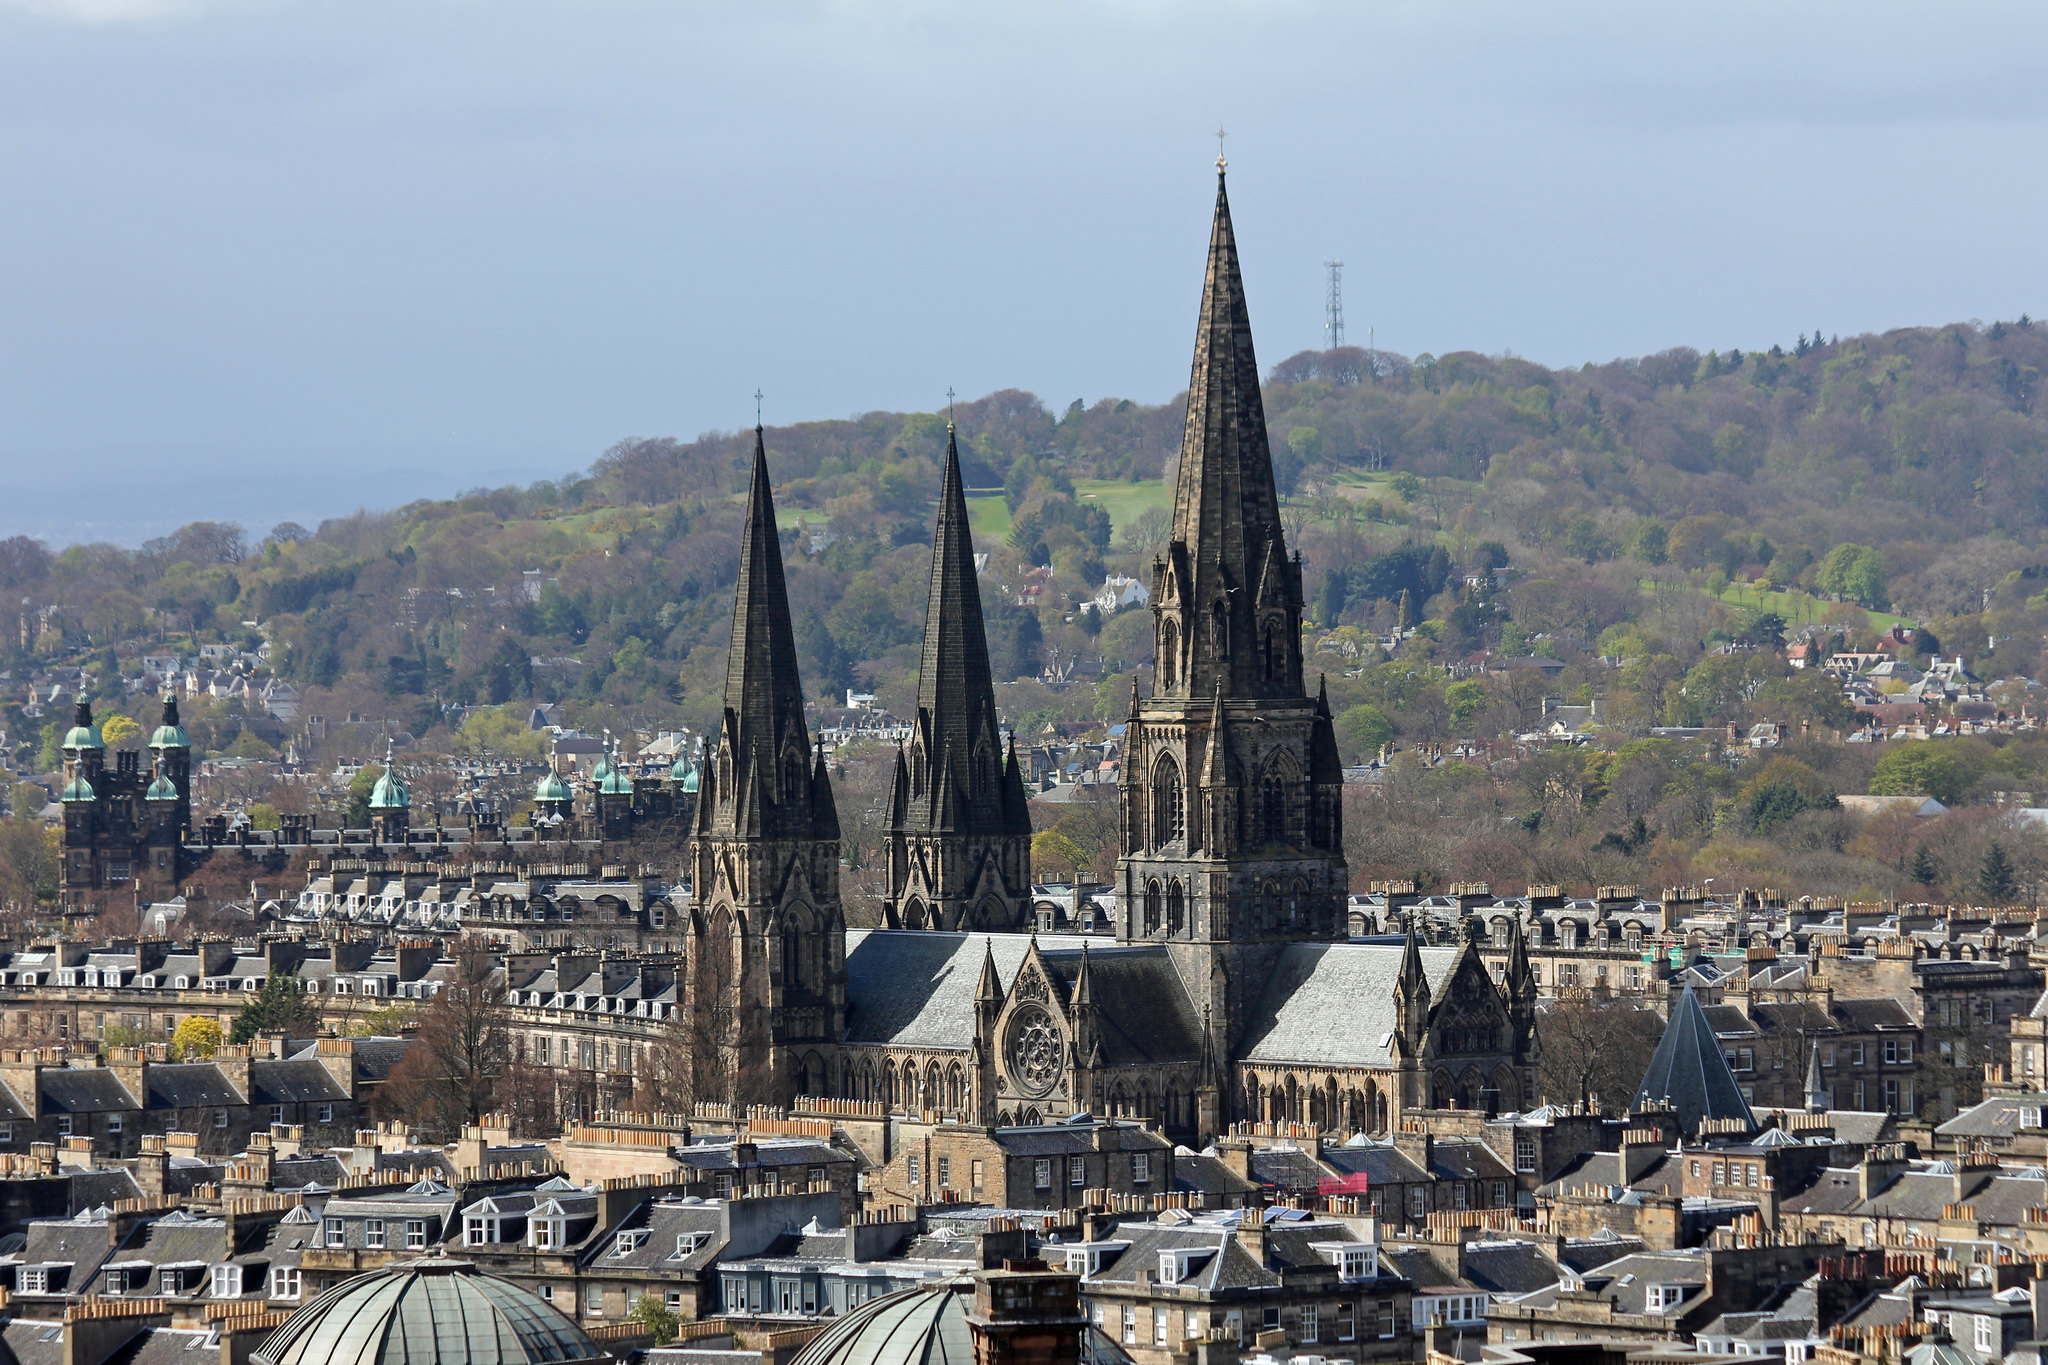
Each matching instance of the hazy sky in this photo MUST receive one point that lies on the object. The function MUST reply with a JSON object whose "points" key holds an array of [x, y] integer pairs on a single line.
{"points": [[277, 258]]}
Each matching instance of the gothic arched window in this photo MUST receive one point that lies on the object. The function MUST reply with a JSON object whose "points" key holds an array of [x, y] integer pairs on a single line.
{"points": [[1219, 631], [1176, 908], [1166, 804], [1273, 809], [1272, 899], [1152, 907], [1169, 654]]}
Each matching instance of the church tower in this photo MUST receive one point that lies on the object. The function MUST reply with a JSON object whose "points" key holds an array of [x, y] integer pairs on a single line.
{"points": [[959, 832], [765, 999], [1232, 789]]}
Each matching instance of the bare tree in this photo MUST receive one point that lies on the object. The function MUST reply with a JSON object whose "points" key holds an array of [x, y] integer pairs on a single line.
{"points": [[454, 1070], [1595, 1050]]}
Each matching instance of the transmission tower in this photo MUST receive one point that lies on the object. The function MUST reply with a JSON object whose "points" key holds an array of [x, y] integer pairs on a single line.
{"points": [[1333, 305]]}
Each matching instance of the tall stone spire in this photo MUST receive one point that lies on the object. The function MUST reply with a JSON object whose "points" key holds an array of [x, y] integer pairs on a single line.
{"points": [[1237, 597], [959, 830], [765, 994], [1232, 795], [762, 773]]}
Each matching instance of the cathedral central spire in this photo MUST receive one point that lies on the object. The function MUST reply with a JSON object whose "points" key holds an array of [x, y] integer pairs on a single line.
{"points": [[1226, 567]]}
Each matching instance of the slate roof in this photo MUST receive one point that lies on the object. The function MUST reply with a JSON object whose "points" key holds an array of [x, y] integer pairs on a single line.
{"points": [[97, 1091], [1332, 1004], [92, 1189], [1626, 1281], [1142, 1011], [32, 1342], [293, 1082], [1688, 1071], [1200, 1174], [1286, 1168], [1868, 1015], [1508, 1267], [663, 1222], [915, 988], [188, 1085], [1922, 1191], [1380, 1162]]}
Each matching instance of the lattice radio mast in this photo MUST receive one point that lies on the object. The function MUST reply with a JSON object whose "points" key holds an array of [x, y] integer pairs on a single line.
{"points": [[1333, 306]]}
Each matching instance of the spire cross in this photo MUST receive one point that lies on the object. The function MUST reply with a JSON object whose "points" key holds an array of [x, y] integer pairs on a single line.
{"points": [[949, 407], [757, 409], [1220, 135]]}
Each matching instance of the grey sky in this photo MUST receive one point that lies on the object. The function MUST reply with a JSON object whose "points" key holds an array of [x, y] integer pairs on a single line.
{"points": [[282, 258]]}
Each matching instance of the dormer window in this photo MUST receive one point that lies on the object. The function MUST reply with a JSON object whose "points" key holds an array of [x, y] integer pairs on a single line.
{"points": [[626, 1243], [688, 1244], [547, 1234], [1661, 1298], [479, 1230]]}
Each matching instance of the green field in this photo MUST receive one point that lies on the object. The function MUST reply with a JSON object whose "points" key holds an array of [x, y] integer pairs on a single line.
{"points": [[1125, 501], [989, 515], [1796, 608]]}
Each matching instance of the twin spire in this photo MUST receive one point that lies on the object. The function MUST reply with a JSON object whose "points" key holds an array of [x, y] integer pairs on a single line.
{"points": [[955, 776], [762, 779]]}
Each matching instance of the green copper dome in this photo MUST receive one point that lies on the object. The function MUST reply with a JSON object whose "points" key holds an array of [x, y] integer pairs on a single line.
{"points": [[389, 793], [78, 789], [615, 783], [551, 788], [171, 734], [163, 789], [84, 737], [601, 771], [684, 775]]}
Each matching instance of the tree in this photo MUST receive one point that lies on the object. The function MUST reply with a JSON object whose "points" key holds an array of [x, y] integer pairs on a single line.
{"points": [[118, 729], [450, 1075], [1366, 727], [1995, 880], [280, 1004], [1922, 768], [1853, 573], [355, 812], [501, 732], [1594, 1050], [1052, 851], [196, 1038], [1924, 871], [657, 1317]]}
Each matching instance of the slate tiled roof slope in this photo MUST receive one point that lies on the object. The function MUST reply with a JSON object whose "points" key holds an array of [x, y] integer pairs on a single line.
{"points": [[1141, 1012], [1689, 1073], [916, 989], [1332, 1004]]}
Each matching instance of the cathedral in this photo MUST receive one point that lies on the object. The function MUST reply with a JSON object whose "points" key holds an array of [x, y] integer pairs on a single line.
{"points": [[1229, 993]]}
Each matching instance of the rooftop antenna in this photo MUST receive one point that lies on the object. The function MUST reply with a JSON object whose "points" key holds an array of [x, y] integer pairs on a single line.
{"points": [[1333, 306], [757, 409], [1220, 162]]}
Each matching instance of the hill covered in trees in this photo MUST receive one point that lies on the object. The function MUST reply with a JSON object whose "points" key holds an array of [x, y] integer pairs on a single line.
{"points": [[1646, 515]]}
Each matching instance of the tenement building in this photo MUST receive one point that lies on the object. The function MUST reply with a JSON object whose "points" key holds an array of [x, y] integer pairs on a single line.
{"points": [[1228, 992]]}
